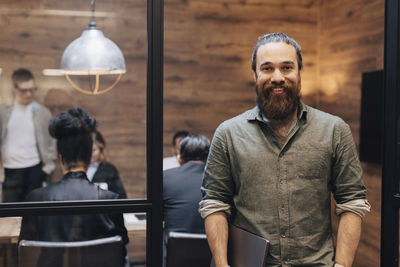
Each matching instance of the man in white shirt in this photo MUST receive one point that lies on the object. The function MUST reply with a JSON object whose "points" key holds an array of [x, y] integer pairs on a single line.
{"points": [[172, 162], [28, 153]]}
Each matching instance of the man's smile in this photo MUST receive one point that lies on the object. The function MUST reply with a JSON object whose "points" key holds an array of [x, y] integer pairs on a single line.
{"points": [[277, 91]]}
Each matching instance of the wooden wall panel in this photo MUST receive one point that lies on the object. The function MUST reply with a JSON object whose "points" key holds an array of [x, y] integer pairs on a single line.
{"points": [[208, 47], [351, 36]]}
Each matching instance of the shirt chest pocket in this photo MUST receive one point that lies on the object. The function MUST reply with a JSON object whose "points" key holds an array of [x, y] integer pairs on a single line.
{"points": [[312, 163]]}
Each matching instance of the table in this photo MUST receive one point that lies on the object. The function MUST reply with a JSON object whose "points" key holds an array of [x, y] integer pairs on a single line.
{"points": [[9, 230], [9, 234], [137, 239]]}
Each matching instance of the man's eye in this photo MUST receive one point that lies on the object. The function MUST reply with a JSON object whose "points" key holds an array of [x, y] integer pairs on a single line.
{"points": [[287, 67], [266, 68]]}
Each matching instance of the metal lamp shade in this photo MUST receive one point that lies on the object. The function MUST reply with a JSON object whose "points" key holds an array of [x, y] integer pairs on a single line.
{"points": [[94, 53]]}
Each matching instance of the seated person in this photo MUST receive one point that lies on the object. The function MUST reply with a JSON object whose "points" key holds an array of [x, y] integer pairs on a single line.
{"points": [[172, 162], [182, 194], [101, 171], [73, 131]]}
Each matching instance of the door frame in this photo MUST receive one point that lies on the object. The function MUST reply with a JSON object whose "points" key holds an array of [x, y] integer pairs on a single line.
{"points": [[391, 157]]}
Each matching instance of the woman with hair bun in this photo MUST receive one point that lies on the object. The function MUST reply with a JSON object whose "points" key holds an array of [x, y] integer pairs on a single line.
{"points": [[73, 131]]}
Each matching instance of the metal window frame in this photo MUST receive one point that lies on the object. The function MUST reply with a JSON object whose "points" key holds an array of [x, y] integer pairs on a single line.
{"points": [[152, 205], [391, 153]]}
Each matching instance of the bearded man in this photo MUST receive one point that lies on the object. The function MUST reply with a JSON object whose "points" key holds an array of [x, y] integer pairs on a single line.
{"points": [[272, 169]]}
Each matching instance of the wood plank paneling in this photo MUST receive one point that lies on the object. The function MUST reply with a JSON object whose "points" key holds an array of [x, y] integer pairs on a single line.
{"points": [[351, 42], [208, 46]]}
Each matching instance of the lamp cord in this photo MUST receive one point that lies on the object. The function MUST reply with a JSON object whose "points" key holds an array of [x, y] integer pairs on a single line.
{"points": [[92, 23], [93, 7]]}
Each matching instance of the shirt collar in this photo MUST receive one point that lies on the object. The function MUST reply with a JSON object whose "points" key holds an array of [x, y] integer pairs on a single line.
{"points": [[94, 164], [34, 106], [255, 113], [80, 175]]}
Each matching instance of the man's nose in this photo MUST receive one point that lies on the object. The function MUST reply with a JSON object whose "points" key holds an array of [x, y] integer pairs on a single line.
{"points": [[277, 77]]}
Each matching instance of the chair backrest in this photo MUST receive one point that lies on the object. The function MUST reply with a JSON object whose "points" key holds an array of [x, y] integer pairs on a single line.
{"points": [[104, 252], [187, 249]]}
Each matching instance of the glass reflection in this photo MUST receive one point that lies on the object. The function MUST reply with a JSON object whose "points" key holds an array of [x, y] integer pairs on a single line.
{"points": [[121, 112]]}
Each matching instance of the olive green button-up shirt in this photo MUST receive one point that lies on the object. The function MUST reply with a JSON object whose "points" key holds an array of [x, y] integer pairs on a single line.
{"points": [[283, 193]]}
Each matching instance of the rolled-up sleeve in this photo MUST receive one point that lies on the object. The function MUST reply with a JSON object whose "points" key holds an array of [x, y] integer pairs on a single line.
{"points": [[357, 206], [217, 187], [348, 187]]}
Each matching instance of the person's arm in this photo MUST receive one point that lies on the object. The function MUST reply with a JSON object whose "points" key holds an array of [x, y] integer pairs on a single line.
{"points": [[216, 226], [348, 236], [217, 202], [29, 229], [115, 184], [47, 144], [349, 193]]}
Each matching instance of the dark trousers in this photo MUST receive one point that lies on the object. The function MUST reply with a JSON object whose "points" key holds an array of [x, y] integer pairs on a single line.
{"points": [[18, 183]]}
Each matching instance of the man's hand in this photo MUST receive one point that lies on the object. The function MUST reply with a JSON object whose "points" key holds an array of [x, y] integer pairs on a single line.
{"points": [[216, 226], [349, 232]]}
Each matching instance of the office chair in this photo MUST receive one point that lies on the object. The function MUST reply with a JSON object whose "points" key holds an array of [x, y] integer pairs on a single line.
{"points": [[104, 252], [187, 249]]}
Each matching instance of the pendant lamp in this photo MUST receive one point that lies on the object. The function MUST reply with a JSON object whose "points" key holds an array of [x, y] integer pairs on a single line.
{"points": [[92, 54]]}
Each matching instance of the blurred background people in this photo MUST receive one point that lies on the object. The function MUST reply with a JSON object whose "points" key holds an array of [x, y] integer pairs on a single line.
{"points": [[73, 131], [101, 171], [172, 162], [28, 153], [181, 195]]}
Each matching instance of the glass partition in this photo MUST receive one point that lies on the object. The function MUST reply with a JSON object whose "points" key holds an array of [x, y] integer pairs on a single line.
{"points": [[129, 116]]}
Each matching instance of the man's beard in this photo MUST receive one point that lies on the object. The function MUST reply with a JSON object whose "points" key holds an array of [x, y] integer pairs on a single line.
{"points": [[278, 107]]}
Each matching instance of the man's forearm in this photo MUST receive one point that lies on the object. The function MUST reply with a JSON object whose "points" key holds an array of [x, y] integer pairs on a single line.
{"points": [[216, 226], [349, 232]]}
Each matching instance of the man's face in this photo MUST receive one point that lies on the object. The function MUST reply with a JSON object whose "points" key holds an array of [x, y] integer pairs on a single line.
{"points": [[277, 80], [25, 92]]}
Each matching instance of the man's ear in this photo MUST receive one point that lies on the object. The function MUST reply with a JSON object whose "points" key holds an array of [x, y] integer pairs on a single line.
{"points": [[255, 76], [179, 159]]}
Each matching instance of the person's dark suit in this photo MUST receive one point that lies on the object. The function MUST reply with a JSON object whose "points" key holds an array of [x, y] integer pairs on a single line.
{"points": [[108, 173], [182, 196], [66, 228]]}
